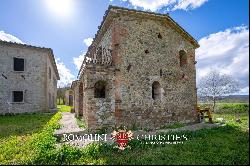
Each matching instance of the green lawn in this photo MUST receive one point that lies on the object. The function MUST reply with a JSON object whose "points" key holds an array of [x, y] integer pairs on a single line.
{"points": [[64, 108], [28, 139], [22, 124]]}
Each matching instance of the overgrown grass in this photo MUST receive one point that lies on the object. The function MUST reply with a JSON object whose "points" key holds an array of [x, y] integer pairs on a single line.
{"points": [[228, 107], [227, 145], [80, 123], [64, 108], [21, 125], [231, 119], [232, 108], [27, 138]]}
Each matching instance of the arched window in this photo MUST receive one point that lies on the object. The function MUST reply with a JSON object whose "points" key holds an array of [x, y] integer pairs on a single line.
{"points": [[183, 58], [99, 89], [156, 90]]}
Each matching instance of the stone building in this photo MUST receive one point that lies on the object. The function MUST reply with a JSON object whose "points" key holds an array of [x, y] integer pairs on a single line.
{"points": [[28, 78], [139, 72], [69, 97], [77, 104]]}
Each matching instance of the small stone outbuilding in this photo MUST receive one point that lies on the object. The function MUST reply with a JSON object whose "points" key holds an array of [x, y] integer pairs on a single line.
{"points": [[69, 94], [138, 72]]}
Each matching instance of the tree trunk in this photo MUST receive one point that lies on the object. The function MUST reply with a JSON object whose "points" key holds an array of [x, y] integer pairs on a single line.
{"points": [[214, 102]]}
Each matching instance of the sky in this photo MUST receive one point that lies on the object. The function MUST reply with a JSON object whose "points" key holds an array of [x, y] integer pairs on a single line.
{"points": [[67, 26]]}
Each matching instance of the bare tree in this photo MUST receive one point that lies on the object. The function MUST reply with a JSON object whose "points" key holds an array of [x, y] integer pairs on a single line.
{"points": [[214, 85]]}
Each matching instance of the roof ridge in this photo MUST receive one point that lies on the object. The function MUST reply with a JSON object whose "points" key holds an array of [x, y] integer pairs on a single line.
{"points": [[50, 50], [183, 31], [24, 44], [124, 8]]}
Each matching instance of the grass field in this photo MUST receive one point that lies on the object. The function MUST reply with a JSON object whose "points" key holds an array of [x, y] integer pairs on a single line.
{"points": [[28, 139]]}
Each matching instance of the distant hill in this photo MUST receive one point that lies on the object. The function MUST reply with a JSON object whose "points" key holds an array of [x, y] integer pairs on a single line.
{"points": [[238, 96], [230, 99], [235, 99]]}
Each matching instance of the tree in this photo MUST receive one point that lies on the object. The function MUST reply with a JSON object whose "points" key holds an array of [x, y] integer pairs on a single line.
{"points": [[215, 84], [61, 94]]}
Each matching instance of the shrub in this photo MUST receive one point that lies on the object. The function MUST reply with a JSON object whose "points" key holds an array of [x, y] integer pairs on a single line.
{"points": [[232, 108]]}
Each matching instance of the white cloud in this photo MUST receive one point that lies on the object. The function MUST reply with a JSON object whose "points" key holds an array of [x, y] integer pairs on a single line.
{"points": [[245, 91], [9, 38], [66, 77], [189, 4], [88, 41], [78, 60], [154, 5], [226, 51]]}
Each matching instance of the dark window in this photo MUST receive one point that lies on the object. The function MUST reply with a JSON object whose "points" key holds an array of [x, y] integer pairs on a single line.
{"points": [[156, 90], [183, 58], [99, 89], [18, 64], [159, 36], [129, 67], [17, 96], [49, 73]]}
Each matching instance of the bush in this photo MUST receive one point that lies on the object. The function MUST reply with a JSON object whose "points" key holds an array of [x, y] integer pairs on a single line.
{"points": [[232, 108]]}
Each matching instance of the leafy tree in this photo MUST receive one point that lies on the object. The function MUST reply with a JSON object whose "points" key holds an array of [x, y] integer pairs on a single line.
{"points": [[61, 94], [215, 84]]}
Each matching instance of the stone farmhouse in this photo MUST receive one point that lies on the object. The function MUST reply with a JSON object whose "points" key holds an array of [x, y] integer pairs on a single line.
{"points": [[28, 78], [69, 97], [139, 72]]}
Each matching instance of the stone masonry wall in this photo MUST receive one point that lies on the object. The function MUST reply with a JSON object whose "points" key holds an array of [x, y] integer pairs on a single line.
{"points": [[99, 112], [51, 85], [144, 51], [147, 58], [31, 81], [75, 88]]}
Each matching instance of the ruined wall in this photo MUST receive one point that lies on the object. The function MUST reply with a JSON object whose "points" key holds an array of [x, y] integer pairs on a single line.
{"points": [[31, 81]]}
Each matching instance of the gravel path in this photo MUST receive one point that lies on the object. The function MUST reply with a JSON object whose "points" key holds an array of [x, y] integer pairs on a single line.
{"points": [[69, 125]]}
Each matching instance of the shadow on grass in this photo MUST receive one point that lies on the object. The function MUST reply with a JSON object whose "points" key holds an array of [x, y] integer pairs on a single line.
{"points": [[20, 125]]}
